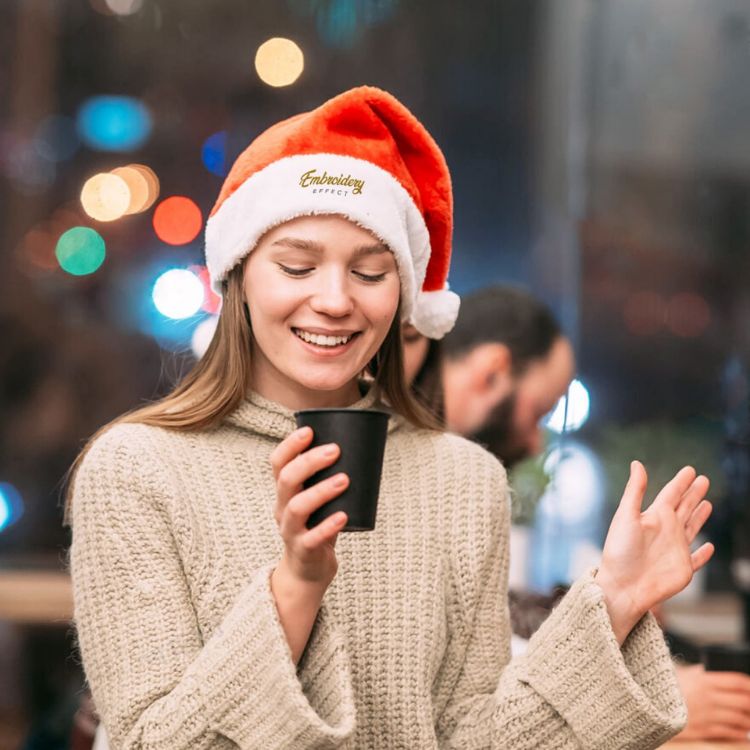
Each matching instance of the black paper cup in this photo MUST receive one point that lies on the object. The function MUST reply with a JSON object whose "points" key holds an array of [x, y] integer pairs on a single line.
{"points": [[360, 434], [727, 657]]}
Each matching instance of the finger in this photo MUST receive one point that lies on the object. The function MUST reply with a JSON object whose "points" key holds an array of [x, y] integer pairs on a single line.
{"points": [[292, 476], [732, 682], [722, 732], [675, 488], [290, 447], [728, 717], [300, 507], [632, 497], [325, 532], [699, 517], [694, 494], [702, 555]]}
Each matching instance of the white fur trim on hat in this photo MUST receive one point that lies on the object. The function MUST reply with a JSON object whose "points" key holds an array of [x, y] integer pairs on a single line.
{"points": [[308, 184], [435, 313]]}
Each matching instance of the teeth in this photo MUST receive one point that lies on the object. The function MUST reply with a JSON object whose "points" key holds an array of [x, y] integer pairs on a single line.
{"points": [[315, 338]]}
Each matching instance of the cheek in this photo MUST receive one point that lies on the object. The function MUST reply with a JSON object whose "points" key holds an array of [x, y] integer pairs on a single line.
{"points": [[266, 297], [382, 303]]}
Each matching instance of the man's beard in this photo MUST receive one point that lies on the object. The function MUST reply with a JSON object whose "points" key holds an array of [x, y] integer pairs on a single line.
{"points": [[497, 434]]}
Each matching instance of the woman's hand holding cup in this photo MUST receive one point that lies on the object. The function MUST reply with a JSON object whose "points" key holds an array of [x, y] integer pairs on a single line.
{"points": [[308, 563], [308, 553], [646, 557]]}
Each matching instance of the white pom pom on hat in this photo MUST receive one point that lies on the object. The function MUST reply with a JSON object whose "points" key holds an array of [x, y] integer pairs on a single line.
{"points": [[363, 155]]}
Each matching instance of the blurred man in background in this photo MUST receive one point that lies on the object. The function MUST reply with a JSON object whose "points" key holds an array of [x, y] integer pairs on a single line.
{"points": [[502, 368]]}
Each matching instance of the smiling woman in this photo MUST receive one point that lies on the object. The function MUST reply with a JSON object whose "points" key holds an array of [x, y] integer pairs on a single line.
{"points": [[208, 614], [322, 294]]}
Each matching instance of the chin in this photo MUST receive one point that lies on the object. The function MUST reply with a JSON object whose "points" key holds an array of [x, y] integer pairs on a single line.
{"points": [[326, 382]]}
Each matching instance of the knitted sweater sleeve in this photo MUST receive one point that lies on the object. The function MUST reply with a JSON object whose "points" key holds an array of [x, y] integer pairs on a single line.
{"points": [[155, 682], [574, 687]]}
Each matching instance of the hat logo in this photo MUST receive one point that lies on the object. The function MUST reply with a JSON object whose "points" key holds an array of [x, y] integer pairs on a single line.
{"points": [[311, 178]]}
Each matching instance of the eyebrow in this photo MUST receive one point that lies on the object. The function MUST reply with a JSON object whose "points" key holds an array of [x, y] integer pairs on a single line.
{"points": [[296, 243]]}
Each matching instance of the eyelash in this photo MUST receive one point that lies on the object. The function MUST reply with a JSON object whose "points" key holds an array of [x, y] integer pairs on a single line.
{"points": [[298, 272]]}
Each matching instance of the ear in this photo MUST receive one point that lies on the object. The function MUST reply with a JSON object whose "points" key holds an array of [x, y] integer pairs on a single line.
{"points": [[490, 366]]}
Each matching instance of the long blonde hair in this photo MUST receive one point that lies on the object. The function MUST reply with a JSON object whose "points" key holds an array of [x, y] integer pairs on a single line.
{"points": [[221, 378]]}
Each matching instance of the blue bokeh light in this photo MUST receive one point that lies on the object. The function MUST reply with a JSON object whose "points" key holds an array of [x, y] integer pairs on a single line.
{"points": [[114, 123], [56, 138], [132, 302], [11, 505], [214, 153]]}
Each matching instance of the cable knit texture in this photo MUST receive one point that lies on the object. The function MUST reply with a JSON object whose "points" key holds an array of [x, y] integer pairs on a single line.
{"points": [[173, 544]]}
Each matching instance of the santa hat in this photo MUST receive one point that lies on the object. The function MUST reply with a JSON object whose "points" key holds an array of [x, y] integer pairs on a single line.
{"points": [[363, 155]]}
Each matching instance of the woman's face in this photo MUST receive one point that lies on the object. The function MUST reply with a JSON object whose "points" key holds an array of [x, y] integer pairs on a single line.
{"points": [[415, 347], [322, 293]]}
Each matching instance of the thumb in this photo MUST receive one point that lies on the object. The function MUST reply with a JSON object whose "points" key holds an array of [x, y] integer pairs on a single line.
{"points": [[632, 497]]}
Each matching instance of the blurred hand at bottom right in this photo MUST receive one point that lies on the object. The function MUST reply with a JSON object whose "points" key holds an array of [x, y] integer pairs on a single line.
{"points": [[718, 704]]}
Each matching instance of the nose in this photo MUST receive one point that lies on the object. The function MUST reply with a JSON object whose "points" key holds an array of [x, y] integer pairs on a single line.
{"points": [[333, 296]]}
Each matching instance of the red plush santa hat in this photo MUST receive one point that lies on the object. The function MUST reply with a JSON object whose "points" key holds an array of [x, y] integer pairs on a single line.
{"points": [[363, 155]]}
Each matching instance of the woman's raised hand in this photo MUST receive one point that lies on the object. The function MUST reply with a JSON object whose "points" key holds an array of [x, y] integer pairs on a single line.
{"points": [[646, 557], [308, 553]]}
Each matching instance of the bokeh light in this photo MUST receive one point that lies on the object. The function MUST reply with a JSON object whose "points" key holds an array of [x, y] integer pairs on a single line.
{"points": [[56, 138], [202, 335], [30, 172], [644, 313], [568, 522], [177, 220], [114, 123], [124, 7], [279, 62], [105, 197], [138, 188], [152, 181], [178, 293], [338, 24], [214, 153], [11, 505], [688, 315], [36, 252], [80, 251], [572, 410]]}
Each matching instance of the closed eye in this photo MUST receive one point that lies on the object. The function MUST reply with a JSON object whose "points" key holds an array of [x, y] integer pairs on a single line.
{"points": [[294, 271], [369, 277]]}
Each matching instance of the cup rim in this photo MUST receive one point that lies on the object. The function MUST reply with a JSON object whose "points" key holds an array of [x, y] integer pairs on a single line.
{"points": [[345, 410]]}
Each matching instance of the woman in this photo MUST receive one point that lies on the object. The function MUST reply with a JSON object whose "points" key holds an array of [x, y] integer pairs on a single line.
{"points": [[209, 616]]}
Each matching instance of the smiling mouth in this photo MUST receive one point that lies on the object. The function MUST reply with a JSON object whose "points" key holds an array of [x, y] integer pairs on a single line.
{"points": [[321, 340]]}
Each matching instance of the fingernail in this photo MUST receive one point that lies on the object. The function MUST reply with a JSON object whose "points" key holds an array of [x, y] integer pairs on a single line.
{"points": [[330, 450], [339, 480], [303, 433]]}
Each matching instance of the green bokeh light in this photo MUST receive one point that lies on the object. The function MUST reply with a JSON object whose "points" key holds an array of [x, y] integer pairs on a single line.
{"points": [[80, 251]]}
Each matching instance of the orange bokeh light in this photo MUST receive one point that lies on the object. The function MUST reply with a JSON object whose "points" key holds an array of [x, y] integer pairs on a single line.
{"points": [[177, 220]]}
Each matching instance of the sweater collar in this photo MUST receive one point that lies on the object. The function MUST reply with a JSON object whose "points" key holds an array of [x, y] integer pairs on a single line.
{"points": [[265, 417]]}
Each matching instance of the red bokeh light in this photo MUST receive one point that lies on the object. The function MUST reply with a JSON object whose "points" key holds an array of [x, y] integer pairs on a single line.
{"points": [[177, 220], [644, 313], [688, 314]]}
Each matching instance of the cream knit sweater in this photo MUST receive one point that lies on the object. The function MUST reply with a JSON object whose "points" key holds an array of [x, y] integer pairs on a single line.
{"points": [[173, 543]]}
